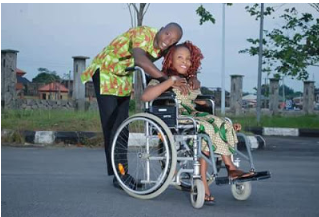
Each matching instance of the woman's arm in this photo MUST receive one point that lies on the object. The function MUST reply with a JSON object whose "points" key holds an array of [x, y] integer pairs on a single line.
{"points": [[152, 92]]}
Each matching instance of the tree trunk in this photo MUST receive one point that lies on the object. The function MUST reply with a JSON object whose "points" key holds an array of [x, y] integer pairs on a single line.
{"points": [[138, 89]]}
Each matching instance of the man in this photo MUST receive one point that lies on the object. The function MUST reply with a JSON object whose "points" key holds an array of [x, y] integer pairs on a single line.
{"points": [[139, 46]]}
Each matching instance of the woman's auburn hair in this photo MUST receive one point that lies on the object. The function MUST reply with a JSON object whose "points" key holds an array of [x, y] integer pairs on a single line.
{"points": [[196, 57]]}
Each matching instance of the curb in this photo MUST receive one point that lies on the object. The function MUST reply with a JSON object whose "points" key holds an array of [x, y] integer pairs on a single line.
{"points": [[277, 131], [52, 137], [80, 137]]}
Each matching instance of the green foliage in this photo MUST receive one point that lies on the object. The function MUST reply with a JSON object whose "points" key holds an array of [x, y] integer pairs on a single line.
{"points": [[132, 106], [288, 91], [204, 15], [60, 120], [305, 121], [288, 50], [206, 91], [46, 76], [13, 137], [255, 10]]}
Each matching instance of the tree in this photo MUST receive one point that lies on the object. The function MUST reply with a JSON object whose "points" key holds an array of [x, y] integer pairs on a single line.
{"points": [[206, 16], [315, 6], [206, 91], [288, 50], [140, 12], [46, 76], [289, 92]]}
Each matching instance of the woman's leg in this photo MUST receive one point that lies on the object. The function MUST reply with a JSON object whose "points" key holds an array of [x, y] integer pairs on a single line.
{"points": [[233, 171], [203, 170], [228, 162]]}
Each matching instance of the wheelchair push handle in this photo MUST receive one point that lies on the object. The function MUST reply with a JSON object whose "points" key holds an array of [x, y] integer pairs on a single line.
{"points": [[134, 68]]}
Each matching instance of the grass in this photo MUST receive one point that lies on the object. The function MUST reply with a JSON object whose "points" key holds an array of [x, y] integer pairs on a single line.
{"points": [[56, 120], [305, 121], [60, 120]]}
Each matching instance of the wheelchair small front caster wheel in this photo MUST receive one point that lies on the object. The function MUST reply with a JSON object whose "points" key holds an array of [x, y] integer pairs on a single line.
{"points": [[198, 194], [241, 191]]}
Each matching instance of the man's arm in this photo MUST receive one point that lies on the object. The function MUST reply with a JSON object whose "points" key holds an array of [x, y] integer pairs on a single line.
{"points": [[141, 60], [194, 83]]}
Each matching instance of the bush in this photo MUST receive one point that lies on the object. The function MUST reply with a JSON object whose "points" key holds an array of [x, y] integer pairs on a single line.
{"points": [[132, 106]]}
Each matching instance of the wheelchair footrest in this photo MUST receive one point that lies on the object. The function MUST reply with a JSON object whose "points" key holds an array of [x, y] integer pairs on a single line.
{"points": [[257, 176], [222, 180]]}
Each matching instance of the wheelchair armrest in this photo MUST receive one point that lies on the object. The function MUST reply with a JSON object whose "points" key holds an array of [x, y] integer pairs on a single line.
{"points": [[165, 98], [167, 95], [210, 104], [205, 97]]}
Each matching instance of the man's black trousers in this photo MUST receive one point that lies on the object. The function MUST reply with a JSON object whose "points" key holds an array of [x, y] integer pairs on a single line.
{"points": [[113, 111]]}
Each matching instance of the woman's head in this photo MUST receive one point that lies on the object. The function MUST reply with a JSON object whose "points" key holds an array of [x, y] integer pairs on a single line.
{"points": [[182, 59]]}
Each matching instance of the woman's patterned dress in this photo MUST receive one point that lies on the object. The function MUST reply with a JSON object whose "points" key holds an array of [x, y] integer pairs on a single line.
{"points": [[221, 132]]}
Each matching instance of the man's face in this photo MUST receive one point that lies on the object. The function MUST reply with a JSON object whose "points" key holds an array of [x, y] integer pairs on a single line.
{"points": [[166, 37]]}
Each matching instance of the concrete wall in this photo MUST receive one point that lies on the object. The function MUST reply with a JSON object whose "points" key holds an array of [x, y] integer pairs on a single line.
{"points": [[308, 97], [274, 96], [236, 94], [35, 104], [8, 78]]}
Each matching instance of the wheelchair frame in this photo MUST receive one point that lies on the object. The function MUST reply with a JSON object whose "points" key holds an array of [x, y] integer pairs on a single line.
{"points": [[162, 149]]}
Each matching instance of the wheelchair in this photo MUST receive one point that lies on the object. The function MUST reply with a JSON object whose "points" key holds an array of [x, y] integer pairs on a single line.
{"points": [[160, 147]]}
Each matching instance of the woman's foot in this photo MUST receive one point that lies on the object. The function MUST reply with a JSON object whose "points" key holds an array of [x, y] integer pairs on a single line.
{"points": [[236, 173], [209, 200]]}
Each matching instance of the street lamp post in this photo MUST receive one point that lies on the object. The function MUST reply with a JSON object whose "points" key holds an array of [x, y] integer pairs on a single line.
{"points": [[260, 62], [223, 65]]}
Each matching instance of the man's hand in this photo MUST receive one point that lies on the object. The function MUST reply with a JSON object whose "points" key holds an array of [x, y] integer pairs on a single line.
{"points": [[181, 84], [194, 83]]}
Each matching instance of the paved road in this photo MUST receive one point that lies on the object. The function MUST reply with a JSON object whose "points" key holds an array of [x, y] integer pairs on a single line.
{"points": [[52, 181]]}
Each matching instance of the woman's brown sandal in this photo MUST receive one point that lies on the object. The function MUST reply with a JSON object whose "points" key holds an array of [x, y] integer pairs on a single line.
{"points": [[236, 174], [209, 200]]}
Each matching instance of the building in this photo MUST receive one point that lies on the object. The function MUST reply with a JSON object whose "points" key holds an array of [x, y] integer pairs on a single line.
{"points": [[53, 91], [22, 83]]}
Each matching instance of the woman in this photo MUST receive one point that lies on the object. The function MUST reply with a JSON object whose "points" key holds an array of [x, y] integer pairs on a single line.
{"points": [[181, 63]]}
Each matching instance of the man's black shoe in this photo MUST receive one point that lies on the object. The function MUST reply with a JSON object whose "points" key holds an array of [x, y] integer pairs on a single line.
{"points": [[116, 184], [129, 181]]}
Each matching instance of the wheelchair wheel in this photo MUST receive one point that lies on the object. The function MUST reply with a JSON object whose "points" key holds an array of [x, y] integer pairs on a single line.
{"points": [[241, 191], [141, 146], [198, 194], [186, 178]]}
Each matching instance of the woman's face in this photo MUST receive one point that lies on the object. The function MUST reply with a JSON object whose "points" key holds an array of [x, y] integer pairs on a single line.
{"points": [[182, 60]]}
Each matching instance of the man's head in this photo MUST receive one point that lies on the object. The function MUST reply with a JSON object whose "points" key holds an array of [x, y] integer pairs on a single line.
{"points": [[167, 36]]}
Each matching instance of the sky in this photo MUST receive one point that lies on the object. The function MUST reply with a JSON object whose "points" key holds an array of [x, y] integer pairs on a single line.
{"points": [[49, 35]]}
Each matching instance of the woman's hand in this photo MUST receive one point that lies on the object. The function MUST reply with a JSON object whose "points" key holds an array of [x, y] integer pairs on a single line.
{"points": [[201, 102], [180, 84], [237, 127], [194, 83]]}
